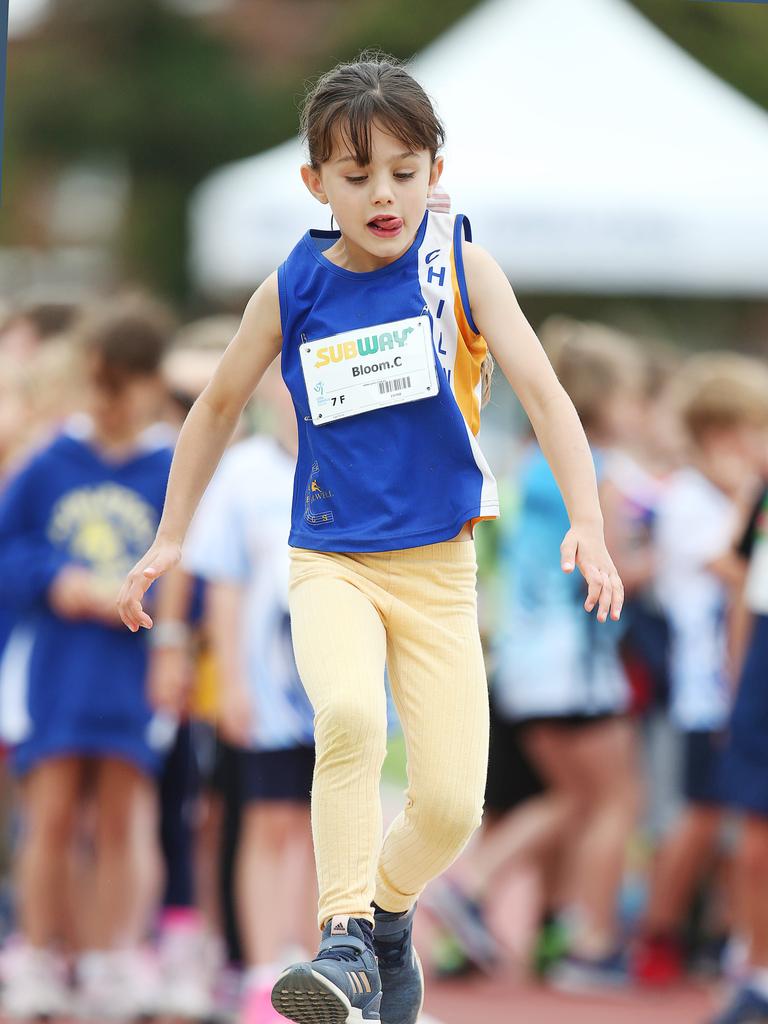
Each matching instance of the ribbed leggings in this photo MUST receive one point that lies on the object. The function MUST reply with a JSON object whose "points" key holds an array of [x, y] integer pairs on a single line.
{"points": [[416, 611]]}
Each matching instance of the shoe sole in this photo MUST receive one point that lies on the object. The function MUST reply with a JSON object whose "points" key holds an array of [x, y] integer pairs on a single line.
{"points": [[304, 996]]}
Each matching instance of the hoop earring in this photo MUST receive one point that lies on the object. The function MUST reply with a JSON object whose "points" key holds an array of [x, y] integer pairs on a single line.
{"points": [[331, 222]]}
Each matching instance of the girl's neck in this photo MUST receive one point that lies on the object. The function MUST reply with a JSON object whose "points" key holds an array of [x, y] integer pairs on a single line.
{"points": [[349, 256]]}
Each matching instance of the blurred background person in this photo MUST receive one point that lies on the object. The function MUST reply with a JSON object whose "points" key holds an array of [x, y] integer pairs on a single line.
{"points": [[722, 401], [183, 683], [236, 545], [562, 681], [26, 328], [72, 682], [745, 778]]}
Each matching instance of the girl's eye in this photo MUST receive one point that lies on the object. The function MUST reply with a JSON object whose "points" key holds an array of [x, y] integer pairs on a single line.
{"points": [[405, 175], [356, 181]]}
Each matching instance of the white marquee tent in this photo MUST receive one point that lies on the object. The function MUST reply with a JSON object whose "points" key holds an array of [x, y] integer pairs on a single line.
{"points": [[590, 152]]}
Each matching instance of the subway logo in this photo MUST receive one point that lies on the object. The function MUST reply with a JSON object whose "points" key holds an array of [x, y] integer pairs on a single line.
{"points": [[368, 345]]}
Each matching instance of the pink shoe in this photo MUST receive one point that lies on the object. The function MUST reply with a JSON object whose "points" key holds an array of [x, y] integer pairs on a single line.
{"points": [[257, 1007]]}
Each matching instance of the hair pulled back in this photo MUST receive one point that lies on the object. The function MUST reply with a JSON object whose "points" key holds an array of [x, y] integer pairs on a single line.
{"points": [[345, 101]]}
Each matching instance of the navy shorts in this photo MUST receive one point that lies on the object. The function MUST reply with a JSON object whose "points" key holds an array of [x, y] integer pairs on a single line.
{"points": [[512, 778], [277, 774], [746, 758], [703, 771]]}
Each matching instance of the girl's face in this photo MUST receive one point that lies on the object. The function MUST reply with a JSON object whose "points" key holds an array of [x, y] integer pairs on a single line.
{"points": [[379, 207]]}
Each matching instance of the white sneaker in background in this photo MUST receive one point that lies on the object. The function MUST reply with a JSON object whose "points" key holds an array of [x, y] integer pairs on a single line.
{"points": [[189, 961], [34, 983], [117, 985]]}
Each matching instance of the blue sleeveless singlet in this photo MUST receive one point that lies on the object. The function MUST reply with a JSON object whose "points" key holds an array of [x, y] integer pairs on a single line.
{"points": [[408, 474]]}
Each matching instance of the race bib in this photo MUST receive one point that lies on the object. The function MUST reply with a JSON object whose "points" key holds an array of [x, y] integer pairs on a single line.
{"points": [[369, 368]]}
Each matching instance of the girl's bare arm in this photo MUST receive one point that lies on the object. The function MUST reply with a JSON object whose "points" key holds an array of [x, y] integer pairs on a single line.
{"points": [[203, 438], [517, 350]]}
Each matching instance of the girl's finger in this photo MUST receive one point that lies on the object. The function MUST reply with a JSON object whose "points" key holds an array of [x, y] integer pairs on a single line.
{"points": [[594, 585], [617, 603], [606, 593]]}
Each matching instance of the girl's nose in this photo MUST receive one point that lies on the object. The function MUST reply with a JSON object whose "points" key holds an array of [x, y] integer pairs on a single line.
{"points": [[381, 192]]}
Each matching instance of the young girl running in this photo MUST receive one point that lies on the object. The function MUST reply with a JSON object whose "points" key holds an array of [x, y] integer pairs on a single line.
{"points": [[385, 328]]}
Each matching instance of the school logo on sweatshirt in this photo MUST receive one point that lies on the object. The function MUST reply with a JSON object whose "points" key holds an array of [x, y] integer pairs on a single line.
{"points": [[106, 527]]}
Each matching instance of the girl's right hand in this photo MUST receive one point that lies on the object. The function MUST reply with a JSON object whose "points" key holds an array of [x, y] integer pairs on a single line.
{"points": [[162, 556]]}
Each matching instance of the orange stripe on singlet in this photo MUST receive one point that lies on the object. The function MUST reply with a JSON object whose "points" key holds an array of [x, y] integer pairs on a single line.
{"points": [[471, 350]]}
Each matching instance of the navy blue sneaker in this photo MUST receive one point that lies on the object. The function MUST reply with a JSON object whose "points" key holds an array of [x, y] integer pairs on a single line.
{"points": [[748, 1007], [402, 979], [341, 984]]}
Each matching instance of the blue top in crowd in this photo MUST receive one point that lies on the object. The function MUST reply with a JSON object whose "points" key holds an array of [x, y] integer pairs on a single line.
{"points": [[76, 686]]}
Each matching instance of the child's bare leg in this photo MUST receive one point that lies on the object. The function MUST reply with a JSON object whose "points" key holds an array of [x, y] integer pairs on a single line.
{"points": [[681, 862], [49, 794], [753, 864], [149, 862], [306, 891], [207, 860], [526, 832], [122, 856], [593, 766], [268, 900], [607, 756]]}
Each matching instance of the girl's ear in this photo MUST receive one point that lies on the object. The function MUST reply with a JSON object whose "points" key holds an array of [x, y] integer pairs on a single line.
{"points": [[437, 170], [313, 181]]}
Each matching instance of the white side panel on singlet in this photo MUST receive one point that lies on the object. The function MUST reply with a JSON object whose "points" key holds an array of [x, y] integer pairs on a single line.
{"points": [[436, 285], [437, 288]]}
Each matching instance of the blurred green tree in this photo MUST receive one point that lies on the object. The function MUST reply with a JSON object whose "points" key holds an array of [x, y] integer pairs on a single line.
{"points": [[171, 97]]}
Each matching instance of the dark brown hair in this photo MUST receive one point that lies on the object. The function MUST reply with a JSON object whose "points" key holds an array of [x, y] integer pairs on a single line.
{"points": [[126, 338], [345, 101]]}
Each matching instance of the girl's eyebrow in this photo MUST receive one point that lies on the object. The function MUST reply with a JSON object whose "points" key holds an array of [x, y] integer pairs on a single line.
{"points": [[400, 156]]}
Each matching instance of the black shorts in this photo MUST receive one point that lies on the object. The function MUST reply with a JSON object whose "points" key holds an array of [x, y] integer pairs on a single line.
{"points": [[512, 779], [570, 722], [277, 774], [703, 781], [224, 775]]}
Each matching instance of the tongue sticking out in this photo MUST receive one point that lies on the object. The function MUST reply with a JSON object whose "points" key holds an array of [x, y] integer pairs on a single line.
{"points": [[385, 224]]}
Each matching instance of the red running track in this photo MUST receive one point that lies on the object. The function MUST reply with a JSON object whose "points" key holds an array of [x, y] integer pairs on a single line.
{"points": [[499, 1001]]}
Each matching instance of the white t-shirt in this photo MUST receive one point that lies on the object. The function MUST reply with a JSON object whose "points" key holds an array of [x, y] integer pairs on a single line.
{"points": [[240, 535], [695, 525], [756, 594]]}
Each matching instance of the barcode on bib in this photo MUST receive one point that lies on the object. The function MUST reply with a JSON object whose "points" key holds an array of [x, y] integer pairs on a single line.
{"points": [[387, 386]]}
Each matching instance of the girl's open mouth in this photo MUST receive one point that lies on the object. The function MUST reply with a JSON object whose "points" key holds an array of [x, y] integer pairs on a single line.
{"points": [[385, 226]]}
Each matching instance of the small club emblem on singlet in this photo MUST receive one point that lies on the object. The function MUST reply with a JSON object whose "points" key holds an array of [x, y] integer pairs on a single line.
{"points": [[315, 493]]}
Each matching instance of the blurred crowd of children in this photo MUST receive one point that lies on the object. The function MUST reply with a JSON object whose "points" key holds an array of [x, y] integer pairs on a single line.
{"points": [[157, 785]]}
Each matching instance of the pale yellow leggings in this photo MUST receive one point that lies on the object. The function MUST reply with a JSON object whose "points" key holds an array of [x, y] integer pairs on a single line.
{"points": [[416, 610]]}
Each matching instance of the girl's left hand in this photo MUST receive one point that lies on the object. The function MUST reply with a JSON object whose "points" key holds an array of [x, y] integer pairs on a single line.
{"points": [[584, 547]]}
